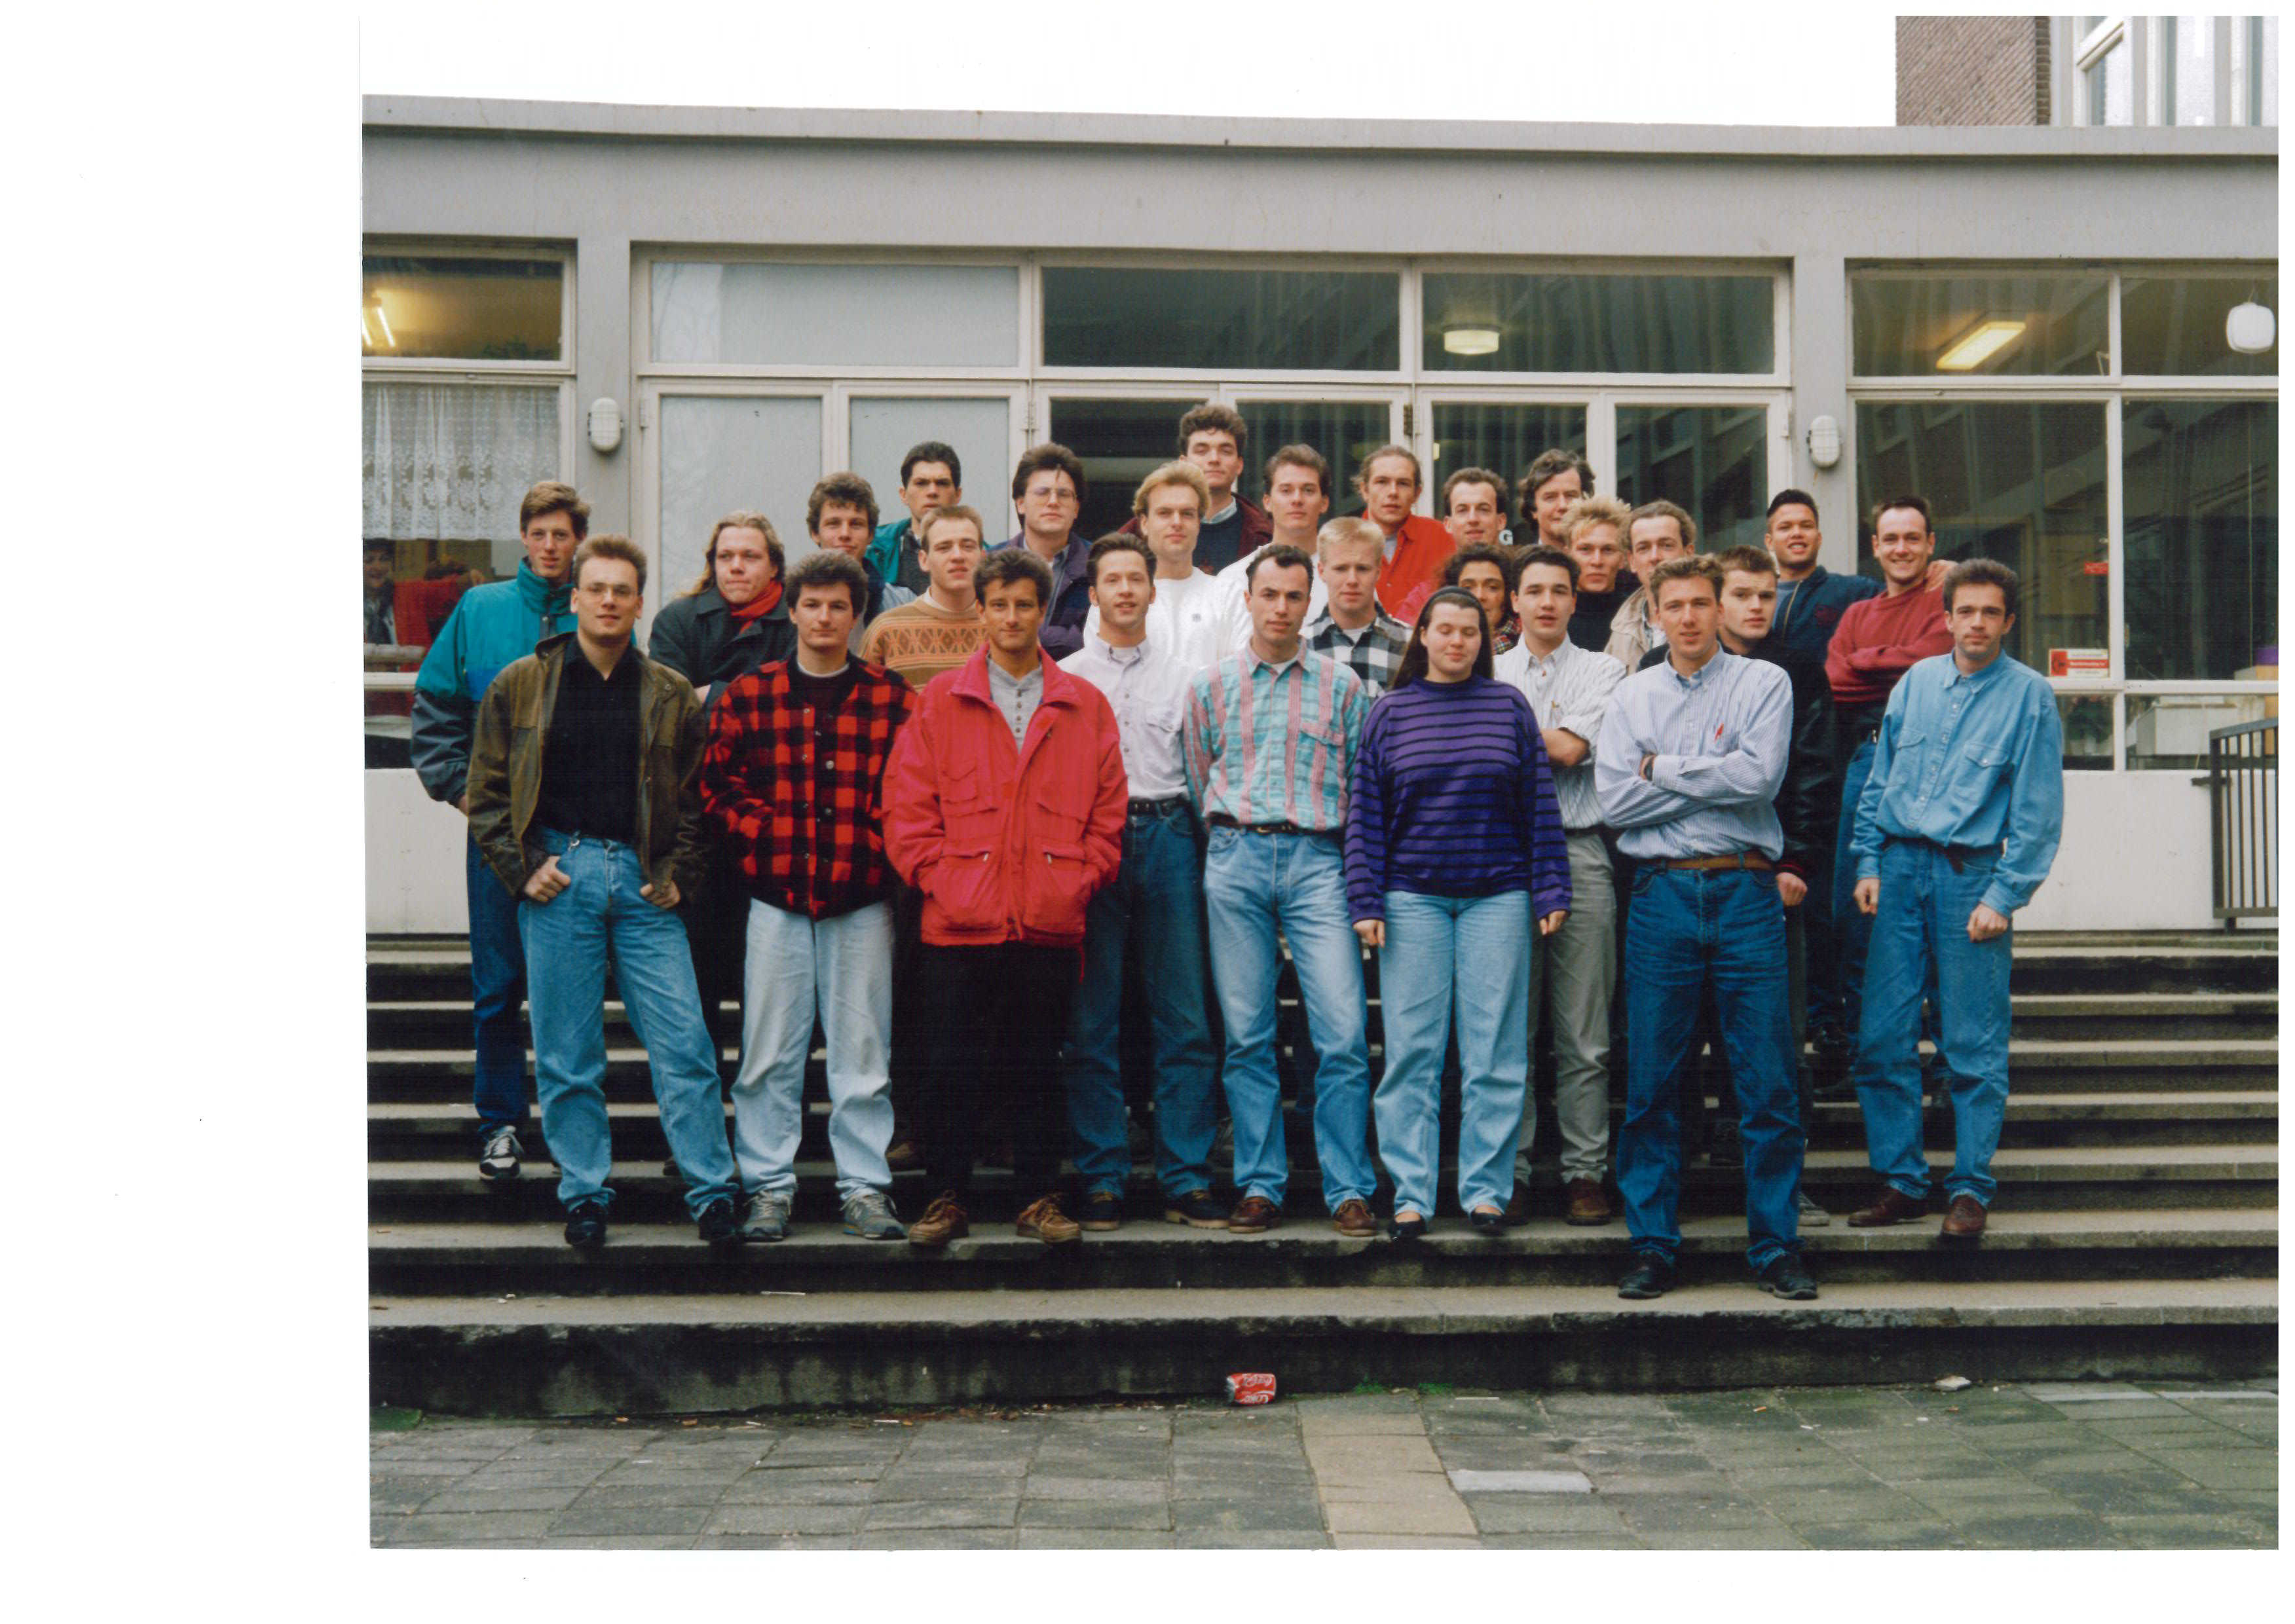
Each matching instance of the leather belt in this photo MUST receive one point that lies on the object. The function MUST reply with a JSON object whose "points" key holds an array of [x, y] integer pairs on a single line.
{"points": [[1736, 860], [1148, 808], [1222, 820], [1957, 856]]}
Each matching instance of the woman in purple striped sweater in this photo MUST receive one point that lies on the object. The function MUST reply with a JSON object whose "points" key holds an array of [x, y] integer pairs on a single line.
{"points": [[1454, 845]]}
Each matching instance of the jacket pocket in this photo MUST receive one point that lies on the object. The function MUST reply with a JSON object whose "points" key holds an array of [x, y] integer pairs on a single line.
{"points": [[965, 889], [1053, 897]]}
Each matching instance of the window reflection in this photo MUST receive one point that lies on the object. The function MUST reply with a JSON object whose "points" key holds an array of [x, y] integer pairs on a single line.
{"points": [[1570, 322], [1978, 325], [1711, 460], [1223, 320], [466, 309], [2172, 326], [2202, 487]]}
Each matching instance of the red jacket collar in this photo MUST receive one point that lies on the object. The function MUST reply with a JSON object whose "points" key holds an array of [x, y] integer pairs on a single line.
{"points": [[972, 681]]}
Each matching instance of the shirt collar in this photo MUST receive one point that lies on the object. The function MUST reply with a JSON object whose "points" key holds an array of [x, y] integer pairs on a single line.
{"points": [[1957, 676], [1223, 515], [1121, 657]]}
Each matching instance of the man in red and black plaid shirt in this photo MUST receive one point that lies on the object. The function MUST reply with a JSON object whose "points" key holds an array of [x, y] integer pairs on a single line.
{"points": [[793, 782]]}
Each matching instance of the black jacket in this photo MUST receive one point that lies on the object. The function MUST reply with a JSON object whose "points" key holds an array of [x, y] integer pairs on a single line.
{"points": [[1809, 802], [699, 639]]}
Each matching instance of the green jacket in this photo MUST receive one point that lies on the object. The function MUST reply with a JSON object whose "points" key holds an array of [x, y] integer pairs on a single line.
{"points": [[506, 766]]}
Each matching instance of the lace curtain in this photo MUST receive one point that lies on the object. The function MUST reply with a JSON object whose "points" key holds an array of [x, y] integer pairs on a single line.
{"points": [[450, 461]]}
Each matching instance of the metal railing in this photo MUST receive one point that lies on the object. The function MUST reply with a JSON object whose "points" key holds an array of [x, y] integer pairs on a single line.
{"points": [[2243, 820]]}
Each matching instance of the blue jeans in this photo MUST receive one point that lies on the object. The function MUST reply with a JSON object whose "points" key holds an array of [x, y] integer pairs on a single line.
{"points": [[1479, 948], [1722, 929], [598, 919], [1254, 883], [842, 968], [1155, 909], [1852, 932], [497, 989], [1920, 934]]}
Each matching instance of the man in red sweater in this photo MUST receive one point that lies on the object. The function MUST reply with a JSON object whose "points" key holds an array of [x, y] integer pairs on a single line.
{"points": [[1876, 642], [1005, 806], [1389, 482]]}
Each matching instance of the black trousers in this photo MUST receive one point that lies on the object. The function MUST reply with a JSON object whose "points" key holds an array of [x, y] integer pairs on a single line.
{"points": [[992, 1020]]}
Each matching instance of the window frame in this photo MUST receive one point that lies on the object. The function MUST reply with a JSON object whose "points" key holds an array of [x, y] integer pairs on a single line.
{"points": [[406, 247]]}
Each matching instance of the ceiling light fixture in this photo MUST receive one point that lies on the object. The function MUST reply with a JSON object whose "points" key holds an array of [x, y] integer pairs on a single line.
{"points": [[388, 336], [1470, 341], [1979, 344]]}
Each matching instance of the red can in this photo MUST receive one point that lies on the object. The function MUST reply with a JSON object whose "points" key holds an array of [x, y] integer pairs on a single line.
{"points": [[1251, 1387]]}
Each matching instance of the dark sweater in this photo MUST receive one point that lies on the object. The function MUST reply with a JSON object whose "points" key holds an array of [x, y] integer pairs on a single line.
{"points": [[1589, 622], [1452, 797]]}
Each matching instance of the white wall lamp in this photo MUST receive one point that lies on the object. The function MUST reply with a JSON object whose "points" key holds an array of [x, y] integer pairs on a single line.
{"points": [[2250, 328], [605, 423], [1824, 439]]}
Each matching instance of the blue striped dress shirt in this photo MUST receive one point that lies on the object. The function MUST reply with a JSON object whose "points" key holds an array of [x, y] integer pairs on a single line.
{"points": [[1274, 744]]}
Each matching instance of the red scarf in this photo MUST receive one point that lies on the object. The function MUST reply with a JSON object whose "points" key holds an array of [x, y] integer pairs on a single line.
{"points": [[758, 608]]}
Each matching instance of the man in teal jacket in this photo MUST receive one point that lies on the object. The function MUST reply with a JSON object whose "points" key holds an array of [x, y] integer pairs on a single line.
{"points": [[931, 478], [491, 626]]}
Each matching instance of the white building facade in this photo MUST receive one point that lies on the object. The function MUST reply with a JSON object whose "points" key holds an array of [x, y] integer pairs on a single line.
{"points": [[2026, 325]]}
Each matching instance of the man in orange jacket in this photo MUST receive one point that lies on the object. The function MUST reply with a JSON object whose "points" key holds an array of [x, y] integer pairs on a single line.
{"points": [[1004, 805]]}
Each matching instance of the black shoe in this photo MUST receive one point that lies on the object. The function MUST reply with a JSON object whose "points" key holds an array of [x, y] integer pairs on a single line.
{"points": [[1103, 1210], [1410, 1229], [1785, 1277], [1726, 1148], [585, 1225], [1488, 1223], [1651, 1276], [1197, 1209], [717, 1223]]}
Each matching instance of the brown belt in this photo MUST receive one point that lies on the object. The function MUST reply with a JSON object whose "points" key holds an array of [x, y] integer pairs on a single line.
{"points": [[1740, 859]]}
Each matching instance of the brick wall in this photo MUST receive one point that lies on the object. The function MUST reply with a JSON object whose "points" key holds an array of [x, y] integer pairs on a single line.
{"points": [[1971, 71]]}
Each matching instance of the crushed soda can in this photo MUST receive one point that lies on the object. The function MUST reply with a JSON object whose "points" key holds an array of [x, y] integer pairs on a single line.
{"points": [[1251, 1387]]}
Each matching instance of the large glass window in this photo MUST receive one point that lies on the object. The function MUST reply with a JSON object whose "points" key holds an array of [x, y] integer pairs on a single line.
{"points": [[2022, 482], [2184, 53], [433, 306], [978, 430], [1978, 324], [1345, 432], [1570, 322], [1506, 439], [2174, 326], [2201, 480], [1223, 320], [724, 452], [832, 315], [1711, 460], [2255, 59], [2108, 84]]}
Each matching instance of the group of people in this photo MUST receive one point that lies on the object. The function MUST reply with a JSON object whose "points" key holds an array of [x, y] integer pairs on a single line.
{"points": [[972, 806]]}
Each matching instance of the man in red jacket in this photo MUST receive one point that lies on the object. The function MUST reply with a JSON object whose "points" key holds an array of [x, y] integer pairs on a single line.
{"points": [[1876, 642], [1004, 805], [1389, 482]]}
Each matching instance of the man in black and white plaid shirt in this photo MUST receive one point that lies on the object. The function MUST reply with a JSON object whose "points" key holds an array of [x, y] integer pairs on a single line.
{"points": [[1352, 628]]}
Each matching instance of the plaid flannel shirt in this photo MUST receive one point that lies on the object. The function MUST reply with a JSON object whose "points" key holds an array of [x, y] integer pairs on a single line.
{"points": [[799, 797]]}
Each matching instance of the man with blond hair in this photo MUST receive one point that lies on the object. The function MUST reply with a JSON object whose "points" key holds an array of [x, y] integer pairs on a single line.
{"points": [[941, 630], [1184, 616], [1594, 534], [1212, 438], [1352, 629], [1654, 532]]}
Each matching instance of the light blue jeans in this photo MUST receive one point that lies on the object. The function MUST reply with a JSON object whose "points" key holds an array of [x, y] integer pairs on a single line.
{"points": [[844, 968], [1473, 951], [600, 919], [1155, 909], [1920, 935], [1254, 885]]}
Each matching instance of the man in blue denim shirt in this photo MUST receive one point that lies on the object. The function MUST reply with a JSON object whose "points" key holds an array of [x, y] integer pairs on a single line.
{"points": [[1692, 754], [1954, 831]]}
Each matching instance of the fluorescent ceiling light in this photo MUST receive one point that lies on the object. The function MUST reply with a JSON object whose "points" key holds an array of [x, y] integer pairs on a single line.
{"points": [[366, 333], [1979, 344], [391, 340], [1471, 340]]}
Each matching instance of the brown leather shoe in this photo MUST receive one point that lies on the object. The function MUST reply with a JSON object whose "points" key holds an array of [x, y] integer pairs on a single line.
{"points": [[1253, 1215], [905, 1155], [1584, 1203], [1042, 1221], [1893, 1207], [1964, 1221], [943, 1221], [1353, 1220], [1517, 1208]]}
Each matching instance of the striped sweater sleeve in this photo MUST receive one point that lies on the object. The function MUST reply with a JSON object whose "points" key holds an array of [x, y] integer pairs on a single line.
{"points": [[1366, 826], [1549, 849]]}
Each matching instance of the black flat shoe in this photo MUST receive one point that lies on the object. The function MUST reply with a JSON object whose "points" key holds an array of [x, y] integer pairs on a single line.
{"points": [[1488, 1223], [1651, 1276], [1406, 1228]]}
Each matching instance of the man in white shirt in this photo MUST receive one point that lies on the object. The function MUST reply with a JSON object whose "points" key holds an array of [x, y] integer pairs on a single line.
{"points": [[1573, 972], [1298, 483], [1155, 909], [1183, 615]]}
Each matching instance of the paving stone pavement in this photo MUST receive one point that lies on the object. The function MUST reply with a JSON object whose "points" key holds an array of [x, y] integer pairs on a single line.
{"points": [[2046, 1467]]}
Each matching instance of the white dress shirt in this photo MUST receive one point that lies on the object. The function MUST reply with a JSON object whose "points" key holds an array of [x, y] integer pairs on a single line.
{"points": [[1146, 687], [1570, 689]]}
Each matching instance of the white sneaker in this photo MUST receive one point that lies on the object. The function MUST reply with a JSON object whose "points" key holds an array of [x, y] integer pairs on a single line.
{"points": [[1812, 1216], [870, 1216], [765, 1217], [499, 1159]]}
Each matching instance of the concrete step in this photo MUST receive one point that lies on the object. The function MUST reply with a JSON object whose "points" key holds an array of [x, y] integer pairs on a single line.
{"points": [[715, 1353], [424, 1130], [2044, 1179], [2094, 1017], [531, 1258]]}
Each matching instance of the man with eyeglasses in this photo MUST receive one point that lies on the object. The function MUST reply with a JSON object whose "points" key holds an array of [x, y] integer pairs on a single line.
{"points": [[1048, 487]]}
